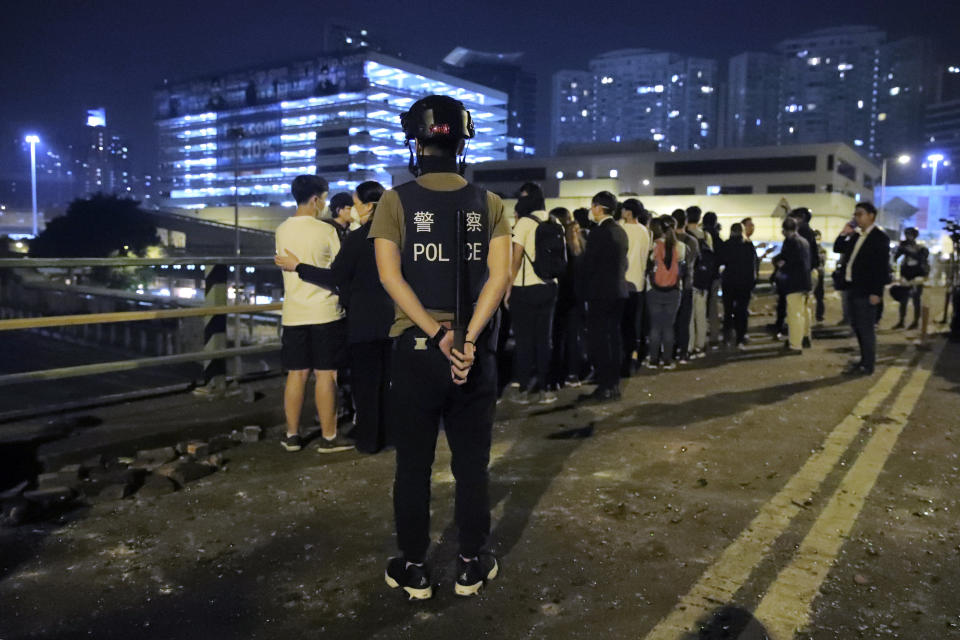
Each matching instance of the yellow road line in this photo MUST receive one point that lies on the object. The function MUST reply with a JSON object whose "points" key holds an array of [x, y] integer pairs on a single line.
{"points": [[785, 609], [730, 571]]}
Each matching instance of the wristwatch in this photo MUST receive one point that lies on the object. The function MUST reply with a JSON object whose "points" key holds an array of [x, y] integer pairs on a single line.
{"points": [[437, 337]]}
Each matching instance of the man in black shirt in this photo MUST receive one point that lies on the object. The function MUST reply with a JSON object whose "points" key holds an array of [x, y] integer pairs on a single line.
{"points": [[794, 281]]}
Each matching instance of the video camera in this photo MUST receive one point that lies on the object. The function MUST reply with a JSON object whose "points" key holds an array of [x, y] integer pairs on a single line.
{"points": [[953, 228]]}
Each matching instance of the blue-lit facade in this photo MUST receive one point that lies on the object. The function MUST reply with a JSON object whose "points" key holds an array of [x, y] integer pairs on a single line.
{"points": [[337, 116]]}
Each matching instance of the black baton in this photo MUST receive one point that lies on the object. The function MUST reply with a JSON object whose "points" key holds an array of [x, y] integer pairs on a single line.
{"points": [[459, 311]]}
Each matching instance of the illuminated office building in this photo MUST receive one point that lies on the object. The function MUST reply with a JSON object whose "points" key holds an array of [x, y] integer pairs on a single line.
{"points": [[337, 116]]}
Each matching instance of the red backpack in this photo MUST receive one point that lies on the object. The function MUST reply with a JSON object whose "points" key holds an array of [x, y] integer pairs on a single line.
{"points": [[665, 278]]}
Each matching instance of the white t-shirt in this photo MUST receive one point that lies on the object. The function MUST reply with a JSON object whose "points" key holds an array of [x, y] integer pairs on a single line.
{"points": [[313, 242], [638, 250], [524, 234]]}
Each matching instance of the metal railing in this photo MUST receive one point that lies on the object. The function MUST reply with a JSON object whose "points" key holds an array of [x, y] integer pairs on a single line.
{"points": [[215, 311]]}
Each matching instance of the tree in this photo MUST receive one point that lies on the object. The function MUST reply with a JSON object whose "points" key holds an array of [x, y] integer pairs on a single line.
{"points": [[96, 227]]}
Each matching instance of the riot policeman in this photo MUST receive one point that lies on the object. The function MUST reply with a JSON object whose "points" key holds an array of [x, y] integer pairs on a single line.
{"points": [[421, 229]]}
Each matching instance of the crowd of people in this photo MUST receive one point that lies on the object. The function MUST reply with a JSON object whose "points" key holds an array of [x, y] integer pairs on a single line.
{"points": [[413, 294]]}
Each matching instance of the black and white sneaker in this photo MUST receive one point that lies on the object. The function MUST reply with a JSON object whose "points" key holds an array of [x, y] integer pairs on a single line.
{"points": [[291, 442], [413, 579], [339, 443], [471, 576]]}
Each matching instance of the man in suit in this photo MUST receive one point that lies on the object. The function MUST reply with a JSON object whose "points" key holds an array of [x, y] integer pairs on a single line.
{"points": [[604, 285], [866, 275], [794, 283]]}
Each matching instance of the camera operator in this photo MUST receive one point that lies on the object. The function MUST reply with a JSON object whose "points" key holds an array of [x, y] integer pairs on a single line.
{"points": [[914, 269]]}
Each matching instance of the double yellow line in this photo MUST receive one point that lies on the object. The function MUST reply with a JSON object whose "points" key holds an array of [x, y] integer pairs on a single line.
{"points": [[785, 608]]}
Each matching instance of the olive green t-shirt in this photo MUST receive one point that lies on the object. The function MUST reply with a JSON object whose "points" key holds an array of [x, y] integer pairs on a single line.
{"points": [[388, 223]]}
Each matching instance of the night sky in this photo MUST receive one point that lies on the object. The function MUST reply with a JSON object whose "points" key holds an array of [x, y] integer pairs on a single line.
{"points": [[58, 57]]}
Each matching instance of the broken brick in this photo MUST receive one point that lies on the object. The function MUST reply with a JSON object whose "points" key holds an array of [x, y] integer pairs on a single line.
{"points": [[198, 449], [117, 491], [156, 485], [50, 495]]}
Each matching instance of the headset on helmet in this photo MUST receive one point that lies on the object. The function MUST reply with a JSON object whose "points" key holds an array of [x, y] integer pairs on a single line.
{"points": [[437, 119]]}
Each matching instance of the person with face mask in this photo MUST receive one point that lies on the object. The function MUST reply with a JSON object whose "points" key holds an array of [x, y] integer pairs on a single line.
{"points": [[314, 331], [342, 214], [369, 316]]}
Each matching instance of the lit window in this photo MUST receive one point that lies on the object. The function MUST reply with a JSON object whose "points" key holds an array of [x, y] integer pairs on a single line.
{"points": [[706, 89], [859, 104], [658, 88], [674, 78], [894, 91], [882, 117], [573, 85], [844, 67], [813, 61], [791, 130], [584, 113], [658, 137], [858, 143]]}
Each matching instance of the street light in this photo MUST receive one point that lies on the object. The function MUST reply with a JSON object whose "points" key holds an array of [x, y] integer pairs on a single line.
{"points": [[33, 141], [934, 160], [902, 159]]}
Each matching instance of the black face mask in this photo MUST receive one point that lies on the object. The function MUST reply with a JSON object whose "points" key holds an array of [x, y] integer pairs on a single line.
{"points": [[437, 164]]}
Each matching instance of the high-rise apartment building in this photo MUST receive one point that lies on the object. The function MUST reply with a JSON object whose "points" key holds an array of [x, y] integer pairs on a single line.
{"points": [[572, 106], [334, 115], [753, 100], [845, 84], [829, 87], [638, 94]]}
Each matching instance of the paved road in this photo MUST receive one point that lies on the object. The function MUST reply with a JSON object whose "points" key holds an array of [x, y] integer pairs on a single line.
{"points": [[749, 491]]}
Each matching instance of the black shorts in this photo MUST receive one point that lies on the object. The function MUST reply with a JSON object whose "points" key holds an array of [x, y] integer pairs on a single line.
{"points": [[321, 347]]}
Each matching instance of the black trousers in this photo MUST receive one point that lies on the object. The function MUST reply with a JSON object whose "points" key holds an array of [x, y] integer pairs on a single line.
{"points": [[863, 318], [682, 324], [735, 306], [634, 326], [818, 294], [781, 312], [422, 395], [369, 381], [532, 316], [567, 356], [916, 295], [603, 340]]}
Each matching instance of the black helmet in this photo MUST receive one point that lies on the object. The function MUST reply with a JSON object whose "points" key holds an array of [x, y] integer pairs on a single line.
{"points": [[437, 118]]}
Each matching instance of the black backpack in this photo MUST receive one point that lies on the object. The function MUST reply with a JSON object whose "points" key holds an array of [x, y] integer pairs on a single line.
{"points": [[551, 249], [706, 270]]}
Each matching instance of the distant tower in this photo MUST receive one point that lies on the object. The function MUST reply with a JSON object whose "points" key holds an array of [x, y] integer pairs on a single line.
{"points": [[106, 167]]}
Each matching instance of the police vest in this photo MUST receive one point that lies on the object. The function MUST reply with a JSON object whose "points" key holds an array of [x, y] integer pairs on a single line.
{"points": [[429, 251]]}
